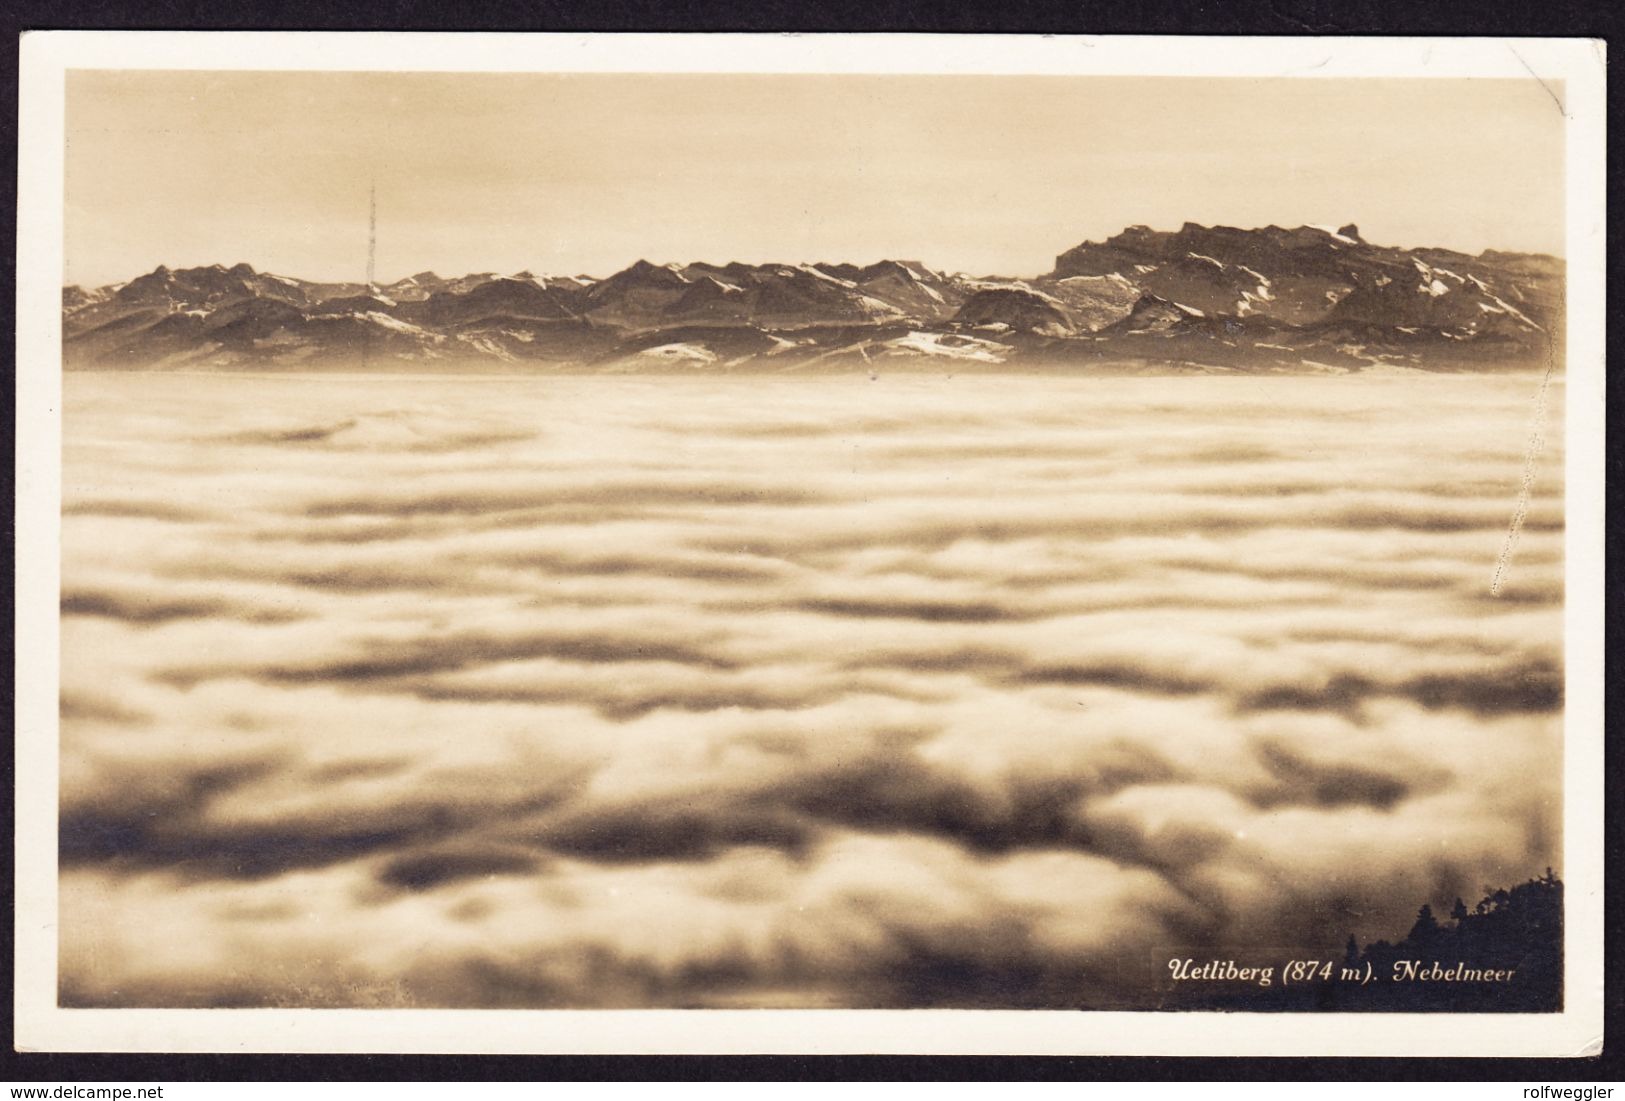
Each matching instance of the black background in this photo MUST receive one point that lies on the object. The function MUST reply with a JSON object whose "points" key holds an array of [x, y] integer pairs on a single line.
{"points": [[1492, 18]]}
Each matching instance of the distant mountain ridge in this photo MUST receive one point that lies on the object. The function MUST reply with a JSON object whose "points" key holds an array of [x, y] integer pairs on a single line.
{"points": [[1204, 299]]}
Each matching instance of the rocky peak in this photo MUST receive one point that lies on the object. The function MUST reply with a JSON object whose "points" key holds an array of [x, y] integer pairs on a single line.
{"points": [[1153, 313]]}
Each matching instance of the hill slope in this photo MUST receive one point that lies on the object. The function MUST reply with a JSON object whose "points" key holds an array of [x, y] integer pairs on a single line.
{"points": [[1198, 298]]}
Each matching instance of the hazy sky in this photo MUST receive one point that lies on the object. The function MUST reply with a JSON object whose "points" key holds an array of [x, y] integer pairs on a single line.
{"points": [[587, 173]]}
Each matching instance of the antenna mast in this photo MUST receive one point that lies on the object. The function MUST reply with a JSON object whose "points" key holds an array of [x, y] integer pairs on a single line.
{"points": [[372, 233]]}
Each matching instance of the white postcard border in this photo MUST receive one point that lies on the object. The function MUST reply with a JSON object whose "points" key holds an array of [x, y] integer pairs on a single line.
{"points": [[41, 1025]]}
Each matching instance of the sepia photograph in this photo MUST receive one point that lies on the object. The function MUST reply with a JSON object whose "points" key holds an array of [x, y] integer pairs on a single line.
{"points": [[1073, 538]]}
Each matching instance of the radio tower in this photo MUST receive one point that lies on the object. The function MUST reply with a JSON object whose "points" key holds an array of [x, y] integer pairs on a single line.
{"points": [[372, 263], [372, 234]]}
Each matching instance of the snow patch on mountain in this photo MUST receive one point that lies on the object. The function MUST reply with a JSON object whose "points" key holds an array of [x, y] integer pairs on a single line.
{"points": [[489, 346], [824, 275], [1333, 234], [680, 352], [874, 307], [949, 346], [1502, 307], [931, 293], [395, 324]]}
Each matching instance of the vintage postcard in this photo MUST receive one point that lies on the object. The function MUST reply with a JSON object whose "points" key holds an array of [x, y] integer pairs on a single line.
{"points": [[810, 544]]}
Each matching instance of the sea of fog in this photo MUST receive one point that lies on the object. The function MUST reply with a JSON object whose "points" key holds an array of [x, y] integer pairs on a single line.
{"points": [[903, 691]]}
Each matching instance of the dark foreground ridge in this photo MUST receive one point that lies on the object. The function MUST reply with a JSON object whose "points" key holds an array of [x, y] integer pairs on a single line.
{"points": [[1505, 955], [1199, 299]]}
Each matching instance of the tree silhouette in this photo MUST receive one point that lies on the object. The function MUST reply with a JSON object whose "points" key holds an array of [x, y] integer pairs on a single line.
{"points": [[1426, 930], [1517, 932]]}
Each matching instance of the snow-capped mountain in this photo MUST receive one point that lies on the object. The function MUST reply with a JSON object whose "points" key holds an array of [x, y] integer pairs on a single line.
{"points": [[1197, 298]]}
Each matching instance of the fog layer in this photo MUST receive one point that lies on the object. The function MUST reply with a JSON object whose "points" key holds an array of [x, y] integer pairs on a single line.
{"points": [[848, 692]]}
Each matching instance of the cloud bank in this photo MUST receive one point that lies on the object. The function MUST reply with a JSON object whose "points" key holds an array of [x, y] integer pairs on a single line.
{"points": [[914, 692]]}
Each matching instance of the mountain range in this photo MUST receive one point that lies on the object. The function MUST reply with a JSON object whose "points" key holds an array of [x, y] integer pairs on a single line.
{"points": [[1198, 299]]}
